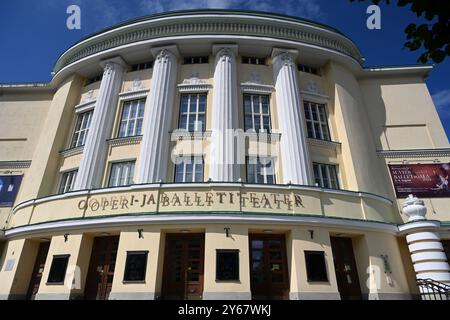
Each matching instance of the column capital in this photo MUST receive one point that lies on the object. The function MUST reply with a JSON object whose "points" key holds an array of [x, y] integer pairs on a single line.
{"points": [[218, 49], [287, 55], [109, 63], [166, 51]]}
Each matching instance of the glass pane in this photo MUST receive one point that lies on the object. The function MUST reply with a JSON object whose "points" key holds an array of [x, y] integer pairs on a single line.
{"points": [[202, 103], [257, 244], [184, 103], [247, 104]]}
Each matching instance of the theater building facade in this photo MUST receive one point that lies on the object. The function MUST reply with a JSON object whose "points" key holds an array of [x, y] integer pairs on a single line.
{"points": [[221, 155]]}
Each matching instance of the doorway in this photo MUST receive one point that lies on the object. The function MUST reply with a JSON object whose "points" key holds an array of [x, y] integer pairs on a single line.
{"points": [[269, 276], [38, 269], [101, 268], [345, 267], [183, 267]]}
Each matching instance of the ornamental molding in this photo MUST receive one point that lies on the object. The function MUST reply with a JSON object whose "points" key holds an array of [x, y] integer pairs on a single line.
{"points": [[180, 135], [124, 141], [314, 97], [263, 136], [239, 25], [194, 84], [85, 106], [21, 164], [257, 88], [130, 95], [419, 153], [324, 144], [71, 152]]}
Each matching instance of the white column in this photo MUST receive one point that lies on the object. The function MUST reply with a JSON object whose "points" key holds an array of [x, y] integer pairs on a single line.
{"points": [[154, 154], [424, 243], [294, 150], [223, 166], [92, 164]]}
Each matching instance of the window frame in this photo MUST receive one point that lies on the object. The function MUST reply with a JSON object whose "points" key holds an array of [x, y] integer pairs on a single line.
{"points": [[256, 61], [247, 162], [112, 164], [128, 119], [62, 175], [66, 264], [73, 145], [189, 114], [192, 157], [237, 265], [327, 166], [324, 136], [309, 270], [201, 60], [126, 270], [142, 66], [259, 114]]}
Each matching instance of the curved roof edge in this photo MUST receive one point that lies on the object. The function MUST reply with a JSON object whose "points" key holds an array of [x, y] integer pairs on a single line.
{"points": [[273, 25]]}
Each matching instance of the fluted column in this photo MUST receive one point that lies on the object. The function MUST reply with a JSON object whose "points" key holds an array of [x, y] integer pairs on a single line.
{"points": [[154, 154], [294, 150], [424, 243], [223, 165], [93, 161]]}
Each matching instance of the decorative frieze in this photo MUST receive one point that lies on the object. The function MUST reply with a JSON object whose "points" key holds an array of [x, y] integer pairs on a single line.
{"points": [[85, 106], [71, 152], [15, 164], [417, 153], [124, 141], [131, 95], [241, 26]]}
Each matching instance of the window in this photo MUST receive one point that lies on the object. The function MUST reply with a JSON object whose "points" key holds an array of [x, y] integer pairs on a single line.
{"points": [[254, 60], [121, 174], [81, 129], [227, 265], [316, 269], [189, 169], [142, 66], [192, 112], [260, 170], [196, 60], [316, 121], [58, 269], [94, 79], [135, 266], [326, 176], [67, 181], [132, 117], [257, 113], [307, 69]]}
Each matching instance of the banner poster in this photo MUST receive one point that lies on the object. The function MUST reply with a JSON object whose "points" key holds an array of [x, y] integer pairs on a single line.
{"points": [[9, 186], [421, 180]]}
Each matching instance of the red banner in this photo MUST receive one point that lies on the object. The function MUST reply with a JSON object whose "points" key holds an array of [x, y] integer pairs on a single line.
{"points": [[421, 180]]}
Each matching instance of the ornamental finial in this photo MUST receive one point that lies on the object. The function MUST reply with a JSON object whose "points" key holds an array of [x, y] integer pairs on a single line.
{"points": [[414, 208]]}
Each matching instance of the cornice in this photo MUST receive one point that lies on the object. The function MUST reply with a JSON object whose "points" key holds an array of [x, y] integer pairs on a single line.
{"points": [[71, 152], [15, 164], [257, 88], [130, 95], [180, 135], [194, 87], [85, 106], [124, 141], [204, 23], [324, 143], [418, 153]]}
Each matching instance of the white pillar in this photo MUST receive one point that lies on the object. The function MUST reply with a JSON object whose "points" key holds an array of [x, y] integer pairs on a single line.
{"points": [[424, 243], [154, 154], [92, 164], [223, 166], [294, 150]]}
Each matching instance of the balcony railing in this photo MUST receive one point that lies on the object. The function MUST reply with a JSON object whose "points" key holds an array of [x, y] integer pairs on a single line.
{"points": [[433, 290]]}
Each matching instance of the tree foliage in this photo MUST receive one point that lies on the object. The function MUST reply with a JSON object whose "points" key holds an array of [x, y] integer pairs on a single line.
{"points": [[434, 34]]}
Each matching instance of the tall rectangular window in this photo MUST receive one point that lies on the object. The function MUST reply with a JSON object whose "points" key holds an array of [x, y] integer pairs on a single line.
{"points": [[196, 60], [261, 170], [135, 266], [67, 181], [254, 60], [189, 169], [316, 121], [326, 176], [192, 112], [257, 113], [132, 117], [121, 174], [81, 129]]}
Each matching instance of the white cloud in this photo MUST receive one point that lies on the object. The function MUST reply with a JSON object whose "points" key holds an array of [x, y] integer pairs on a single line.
{"points": [[442, 99]]}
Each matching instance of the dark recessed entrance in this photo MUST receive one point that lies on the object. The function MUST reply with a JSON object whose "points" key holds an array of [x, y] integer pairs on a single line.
{"points": [[345, 267], [268, 267], [183, 267], [101, 268], [38, 269]]}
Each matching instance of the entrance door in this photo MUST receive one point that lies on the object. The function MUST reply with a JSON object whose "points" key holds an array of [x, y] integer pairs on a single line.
{"points": [[345, 267], [39, 265], [183, 267], [446, 244], [268, 267], [101, 268]]}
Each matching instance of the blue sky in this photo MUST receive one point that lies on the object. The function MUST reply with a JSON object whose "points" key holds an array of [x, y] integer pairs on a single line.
{"points": [[33, 33]]}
